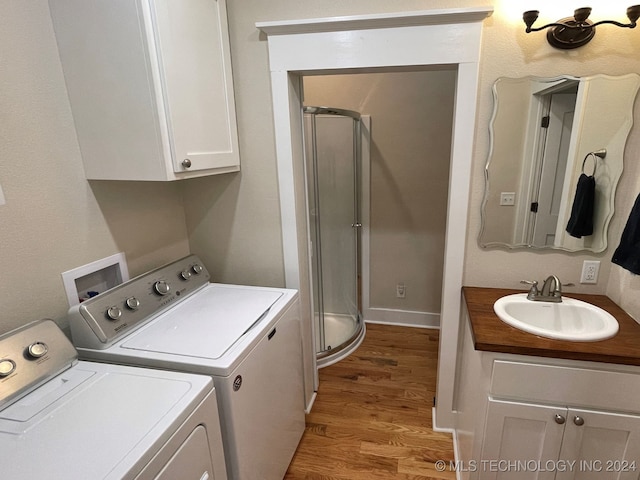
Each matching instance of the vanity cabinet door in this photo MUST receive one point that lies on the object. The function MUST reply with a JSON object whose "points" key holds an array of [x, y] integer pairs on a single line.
{"points": [[520, 432], [530, 441], [604, 446]]}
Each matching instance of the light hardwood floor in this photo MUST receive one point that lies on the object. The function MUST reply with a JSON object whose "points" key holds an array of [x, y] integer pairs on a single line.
{"points": [[372, 416]]}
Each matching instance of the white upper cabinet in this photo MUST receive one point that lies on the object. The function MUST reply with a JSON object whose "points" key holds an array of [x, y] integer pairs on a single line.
{"points": [[150, 86]]}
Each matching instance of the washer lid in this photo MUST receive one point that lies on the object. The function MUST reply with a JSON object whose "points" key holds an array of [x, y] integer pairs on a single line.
{"points": [[206, 324], [112, 417]]}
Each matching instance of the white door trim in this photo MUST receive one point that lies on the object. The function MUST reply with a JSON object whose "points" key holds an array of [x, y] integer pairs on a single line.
{"points": [[380, 43]]}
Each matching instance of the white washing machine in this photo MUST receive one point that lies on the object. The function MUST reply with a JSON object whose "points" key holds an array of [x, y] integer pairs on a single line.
{"points": [[246, 338], [77, 420]]}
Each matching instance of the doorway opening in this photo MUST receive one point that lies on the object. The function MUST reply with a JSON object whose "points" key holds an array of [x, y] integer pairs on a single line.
{"points": [[401, 187]]}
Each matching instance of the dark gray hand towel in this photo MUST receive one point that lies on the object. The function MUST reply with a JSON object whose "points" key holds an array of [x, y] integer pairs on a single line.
{"points": [[627, 255], [581, 221]]}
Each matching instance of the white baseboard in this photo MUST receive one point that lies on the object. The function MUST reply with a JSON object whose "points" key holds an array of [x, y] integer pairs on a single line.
{"points": [[454, 434], [307, 410], [405, 318]]}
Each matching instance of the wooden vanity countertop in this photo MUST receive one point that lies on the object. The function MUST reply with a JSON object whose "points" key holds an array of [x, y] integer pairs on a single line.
{"points": [[493, 335]]}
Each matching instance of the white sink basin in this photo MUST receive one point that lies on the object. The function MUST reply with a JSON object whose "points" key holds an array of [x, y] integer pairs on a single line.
{"points": [[571, 319]]}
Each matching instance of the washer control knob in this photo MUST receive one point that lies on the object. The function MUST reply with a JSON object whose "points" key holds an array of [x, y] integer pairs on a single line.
{"points": [[132, 303], [185, 274], [161, 287], [37, 349], [7, 367], [114, 313], [197, 269]]}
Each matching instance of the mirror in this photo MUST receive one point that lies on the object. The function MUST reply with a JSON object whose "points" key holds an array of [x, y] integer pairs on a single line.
{"points": [[547, 134]]}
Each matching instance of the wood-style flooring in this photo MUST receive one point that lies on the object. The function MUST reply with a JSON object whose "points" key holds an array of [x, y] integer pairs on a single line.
{"points": [[372, 417]]}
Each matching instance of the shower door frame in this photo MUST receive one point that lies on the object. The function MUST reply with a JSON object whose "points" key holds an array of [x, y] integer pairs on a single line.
{"points": [[361, 124]]}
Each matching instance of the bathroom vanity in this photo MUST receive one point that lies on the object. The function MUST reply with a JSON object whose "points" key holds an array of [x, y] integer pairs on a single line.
{"points": [[536, 408]]}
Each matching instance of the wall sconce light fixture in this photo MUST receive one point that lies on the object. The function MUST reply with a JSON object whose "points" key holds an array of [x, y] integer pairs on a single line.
{"points": [[576, 31]]}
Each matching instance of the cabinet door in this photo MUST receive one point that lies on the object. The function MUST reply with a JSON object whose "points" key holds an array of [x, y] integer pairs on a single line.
{"points": [[603, 445], [195, 64], [518, 437]]}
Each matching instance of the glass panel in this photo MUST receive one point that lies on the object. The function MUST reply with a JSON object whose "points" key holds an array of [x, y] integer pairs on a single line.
{"points": [[331, 180], [314, 227]]}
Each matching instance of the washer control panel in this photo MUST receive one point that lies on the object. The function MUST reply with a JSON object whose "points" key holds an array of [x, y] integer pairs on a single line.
{"points": [[121, 309], [31, 355]]}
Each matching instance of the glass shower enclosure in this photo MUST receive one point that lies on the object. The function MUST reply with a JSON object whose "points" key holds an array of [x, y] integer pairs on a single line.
{"points": [[332, 166]]}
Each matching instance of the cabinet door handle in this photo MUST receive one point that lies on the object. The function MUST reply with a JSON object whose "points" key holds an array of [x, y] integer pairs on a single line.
{"points": [[559, 419], [578, 420], [186, 163]]}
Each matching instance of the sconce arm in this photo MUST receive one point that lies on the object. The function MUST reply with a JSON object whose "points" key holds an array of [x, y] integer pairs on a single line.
{"points": [[563, 25], [611, 22]]}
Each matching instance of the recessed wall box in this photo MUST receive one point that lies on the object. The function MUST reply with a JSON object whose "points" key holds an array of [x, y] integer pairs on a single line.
{"points": [[95, 277]]}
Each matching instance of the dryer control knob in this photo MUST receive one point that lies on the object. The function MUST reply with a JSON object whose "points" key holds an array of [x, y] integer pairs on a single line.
{"points": [[161, 287], [185, 274], [7, 367], [132, 303], [114, 313], [197, 269], [37, 349]]}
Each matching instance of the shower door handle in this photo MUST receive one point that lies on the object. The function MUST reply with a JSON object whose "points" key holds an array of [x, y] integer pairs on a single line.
{"points": [[356, 225]]}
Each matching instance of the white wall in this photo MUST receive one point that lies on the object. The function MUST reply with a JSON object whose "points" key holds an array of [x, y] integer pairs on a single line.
{"points": [[409, 176], [53, 219], [624, 287]]}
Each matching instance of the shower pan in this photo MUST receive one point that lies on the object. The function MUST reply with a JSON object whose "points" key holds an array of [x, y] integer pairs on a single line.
{"points": [[332, 166]]}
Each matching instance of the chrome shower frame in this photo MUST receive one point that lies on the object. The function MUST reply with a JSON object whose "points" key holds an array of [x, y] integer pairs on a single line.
{"points": [[325, 355]]}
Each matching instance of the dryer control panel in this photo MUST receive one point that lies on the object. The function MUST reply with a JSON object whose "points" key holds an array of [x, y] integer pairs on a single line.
{"points": [[30, 356], [101, 320]]}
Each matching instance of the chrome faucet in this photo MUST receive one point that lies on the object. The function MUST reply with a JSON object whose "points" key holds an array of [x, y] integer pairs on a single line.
{"points": [[551, 290]]}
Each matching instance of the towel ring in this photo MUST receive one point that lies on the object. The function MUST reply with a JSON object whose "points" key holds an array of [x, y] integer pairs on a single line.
{"points": [[597, 154], [595, 163]]}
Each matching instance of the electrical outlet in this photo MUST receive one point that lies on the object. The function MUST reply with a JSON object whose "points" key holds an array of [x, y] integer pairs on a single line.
{"points": [[400, 290], [508, 198], [590, 269]]}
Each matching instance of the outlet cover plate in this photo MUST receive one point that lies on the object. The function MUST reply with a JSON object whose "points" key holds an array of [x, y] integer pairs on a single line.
{"points": [[590, 270]]}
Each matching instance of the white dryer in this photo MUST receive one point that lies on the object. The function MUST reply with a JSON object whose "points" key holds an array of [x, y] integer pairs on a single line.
{"points": [[246, 338], [77, 420]]}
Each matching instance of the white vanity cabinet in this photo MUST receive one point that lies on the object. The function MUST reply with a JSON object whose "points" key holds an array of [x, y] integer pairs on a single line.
{"points": [[559, 443], [541, 418], [150, 86]]}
